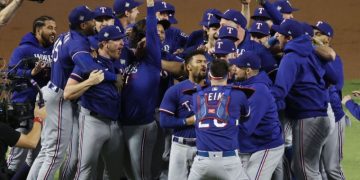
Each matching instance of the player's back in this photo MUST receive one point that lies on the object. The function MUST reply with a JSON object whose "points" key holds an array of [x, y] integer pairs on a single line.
{"points": [[65, 48], [218, 113]]}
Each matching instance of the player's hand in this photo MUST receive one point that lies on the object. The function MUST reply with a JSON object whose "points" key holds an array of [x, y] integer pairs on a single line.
{"points": [[119, 82], [179, 51], [150, 3], [346, 99], [356, 93], [202, 48], [96, 77], [245, 2], [190, 120], [40, 65], [317, 42]]}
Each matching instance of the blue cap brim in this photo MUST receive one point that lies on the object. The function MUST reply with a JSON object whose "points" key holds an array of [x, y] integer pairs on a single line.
{"points": [[260, 32], [278, 29]]}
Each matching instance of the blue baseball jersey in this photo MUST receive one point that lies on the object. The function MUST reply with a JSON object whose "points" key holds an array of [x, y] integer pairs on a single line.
{"points": [[166, 78], [219, 133], [335, 91], [103, 98], [66, 47], [263, 129], [29, 47], [69, 49], [241, 48], [142, 78], [176, 107], [353, 108], [300, 81]]}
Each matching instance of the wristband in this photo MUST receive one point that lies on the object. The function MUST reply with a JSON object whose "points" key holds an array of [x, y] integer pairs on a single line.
{"points": [[39, 120]]}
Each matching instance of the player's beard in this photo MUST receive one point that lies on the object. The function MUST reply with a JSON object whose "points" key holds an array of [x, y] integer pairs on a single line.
{"points": [[48, 40]]}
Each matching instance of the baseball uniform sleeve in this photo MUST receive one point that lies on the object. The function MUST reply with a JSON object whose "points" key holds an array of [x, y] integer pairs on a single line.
{"points": [[275, 15], [167, 110], [285, 78], [153, 48], [353, 108], [16, 57], [77, 75], [259, 104]]}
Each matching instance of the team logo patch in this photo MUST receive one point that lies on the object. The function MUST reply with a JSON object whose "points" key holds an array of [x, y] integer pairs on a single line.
{"points": [[127, 4], [215, 88], [81, 18]]}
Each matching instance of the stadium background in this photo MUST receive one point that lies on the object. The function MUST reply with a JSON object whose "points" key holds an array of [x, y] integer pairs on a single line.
{"points": [[342, 15]]}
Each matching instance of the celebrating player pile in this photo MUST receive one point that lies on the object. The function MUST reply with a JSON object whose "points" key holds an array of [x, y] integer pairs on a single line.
{"points": [[130, 99]]}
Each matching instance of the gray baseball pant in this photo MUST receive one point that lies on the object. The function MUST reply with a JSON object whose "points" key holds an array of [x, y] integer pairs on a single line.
{"points": [[332, 153], [56, 135], [140, 141], [261, 165], [69, 166], [99, 136], [309, 136], [181, 159], [219, 168]]}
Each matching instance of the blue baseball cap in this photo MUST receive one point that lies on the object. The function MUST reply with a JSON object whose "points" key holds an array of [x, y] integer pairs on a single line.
{"points": [[104, 11], [162, 6], [234, 15], [289, 27], [120, 6], [110, 33], [207, 16], [227, 32], [260, 27], [261, 13], [284, 7], [247, 60], [224, 47], [324, 28], [214, 22], [80, 14], [308, 29]]}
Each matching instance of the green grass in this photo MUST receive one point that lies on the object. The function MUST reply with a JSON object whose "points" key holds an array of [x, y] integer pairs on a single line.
{"points": [[351, 162]]}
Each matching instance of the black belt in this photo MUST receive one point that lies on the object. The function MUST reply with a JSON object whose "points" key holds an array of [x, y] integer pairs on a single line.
{"points": [[189, 142]]}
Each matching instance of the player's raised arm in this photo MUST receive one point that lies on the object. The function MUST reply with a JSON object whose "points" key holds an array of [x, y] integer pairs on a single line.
{"points": [[245, 10], [9, 11]]}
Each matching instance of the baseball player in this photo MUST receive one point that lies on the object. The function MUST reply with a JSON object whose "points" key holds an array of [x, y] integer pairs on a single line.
{"points": [[174, 111], [36, 44], [351, 105], [127, 12], [260, 138], [235, 19], [139, 96], [69, 49], [300, 69], [103, 16], [225, 49], [99, 110], [199, 37], [218, 110], [331, 154], [260, 14], [175, 39]]}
